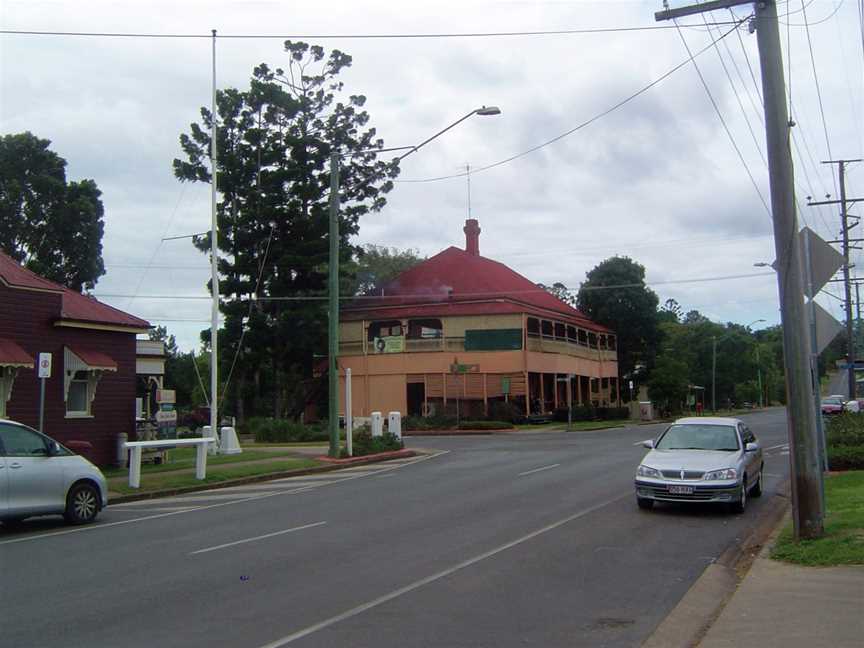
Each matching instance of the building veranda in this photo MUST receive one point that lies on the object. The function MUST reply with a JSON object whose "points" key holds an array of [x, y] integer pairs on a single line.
{"points": [[462, 331]]}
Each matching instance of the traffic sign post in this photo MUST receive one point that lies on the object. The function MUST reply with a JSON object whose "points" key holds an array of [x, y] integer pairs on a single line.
{"points": [[44, 374]]}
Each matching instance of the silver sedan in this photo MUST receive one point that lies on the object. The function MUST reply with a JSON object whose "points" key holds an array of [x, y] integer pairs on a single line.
{"points": [[38, 476], [702, 459]]}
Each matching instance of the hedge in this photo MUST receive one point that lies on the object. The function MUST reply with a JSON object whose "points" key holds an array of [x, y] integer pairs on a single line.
{"points": [[845, 440], [273, 430]]}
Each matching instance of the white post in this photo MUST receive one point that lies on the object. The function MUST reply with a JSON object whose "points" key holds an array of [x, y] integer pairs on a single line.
{"points": [[349, 418], [214, 259], [201, 460], [135, 467]]}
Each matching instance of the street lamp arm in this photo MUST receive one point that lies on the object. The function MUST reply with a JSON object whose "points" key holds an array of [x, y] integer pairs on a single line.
{"points": [[490, 110]]}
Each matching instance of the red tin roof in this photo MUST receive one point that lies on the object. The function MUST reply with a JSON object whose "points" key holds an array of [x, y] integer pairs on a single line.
{"points": [[456, 282], [12, 355], [75, 306], [95, 359]]}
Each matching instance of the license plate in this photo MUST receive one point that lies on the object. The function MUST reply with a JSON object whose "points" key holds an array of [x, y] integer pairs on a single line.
{"points": [[680, 490]]}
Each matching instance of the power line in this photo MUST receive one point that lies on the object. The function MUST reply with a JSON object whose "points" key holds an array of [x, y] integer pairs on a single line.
{"points": [[588, 122], [210, 36]]}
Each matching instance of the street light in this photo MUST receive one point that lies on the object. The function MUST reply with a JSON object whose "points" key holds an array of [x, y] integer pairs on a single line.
{"points": [[714, 342], [333, 280]]}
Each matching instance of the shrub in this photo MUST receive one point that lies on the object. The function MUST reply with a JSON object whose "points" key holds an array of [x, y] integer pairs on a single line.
{"points": [[438, 422], [365, 444], [845, 439], [846, 457], [485, 425], [505, 411], [272, 430]]}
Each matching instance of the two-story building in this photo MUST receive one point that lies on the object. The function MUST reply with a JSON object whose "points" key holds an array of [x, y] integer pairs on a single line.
{"points": [[461, 330]]}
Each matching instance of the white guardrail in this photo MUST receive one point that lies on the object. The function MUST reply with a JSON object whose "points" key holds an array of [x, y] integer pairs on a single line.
{"points": [[135, 455]]}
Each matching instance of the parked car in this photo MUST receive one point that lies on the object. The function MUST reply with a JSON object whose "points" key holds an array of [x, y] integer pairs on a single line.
{"points": [[704, 459], [39, 476], [832, 405]]}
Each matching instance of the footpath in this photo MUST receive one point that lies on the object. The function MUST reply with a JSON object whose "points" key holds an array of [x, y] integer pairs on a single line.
{"points": [[773, 604]]}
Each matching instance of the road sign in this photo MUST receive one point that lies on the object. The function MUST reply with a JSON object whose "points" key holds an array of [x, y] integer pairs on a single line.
{"points": [[824, 261], [827, 327], [457, 368], [505, 385], [44, 365], [166, 396]]}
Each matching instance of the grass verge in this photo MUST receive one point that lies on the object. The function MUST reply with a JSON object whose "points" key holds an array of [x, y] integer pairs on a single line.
{"points": [[554, 426], [843, 542], [181, 458], [215, 474]]}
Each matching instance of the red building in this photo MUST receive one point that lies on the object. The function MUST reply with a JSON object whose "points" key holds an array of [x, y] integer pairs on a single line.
{"points": [[90, 395]]}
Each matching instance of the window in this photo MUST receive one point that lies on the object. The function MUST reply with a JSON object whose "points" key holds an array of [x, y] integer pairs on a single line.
{"points": [[592, 340], [425, 329], [533, 326], [572, 335], [7, 377], [546, 327], [610, 342], [19, 441], [583, 337], [602, 341], [604, 383], [385, 328], [560, 331], [595, 385], [77, 400]]}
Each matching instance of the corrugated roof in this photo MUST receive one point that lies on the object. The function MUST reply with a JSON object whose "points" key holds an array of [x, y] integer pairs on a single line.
{"points": [[12, 355], [455, 282], [75, 306]]}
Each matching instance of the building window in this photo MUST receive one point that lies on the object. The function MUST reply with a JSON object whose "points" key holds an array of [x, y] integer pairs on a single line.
{"points": [[595, 385], [533, 326], [546, 327], [592, 340], [560, 331], [7, 377], [425, 329], [572, 335], [602, 341], [610, 342], [385, 328], [81, 391], [583, 337], [604, 383]]}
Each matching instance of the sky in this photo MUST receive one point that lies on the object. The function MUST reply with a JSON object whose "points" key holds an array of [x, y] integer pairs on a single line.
{"points": [[662, 178]]}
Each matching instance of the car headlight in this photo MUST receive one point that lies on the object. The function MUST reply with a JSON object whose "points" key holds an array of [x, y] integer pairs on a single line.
{"points": [[726, 473], [647, 471]]}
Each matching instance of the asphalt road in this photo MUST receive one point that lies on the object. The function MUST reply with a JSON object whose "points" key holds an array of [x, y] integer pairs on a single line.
{"points": [[509, 540]]}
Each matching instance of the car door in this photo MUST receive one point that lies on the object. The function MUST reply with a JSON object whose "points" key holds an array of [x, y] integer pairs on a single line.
{"points": [[34, 481], [3, 483], [752, 459]]}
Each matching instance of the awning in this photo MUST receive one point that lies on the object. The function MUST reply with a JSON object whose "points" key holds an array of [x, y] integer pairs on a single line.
{"points": [[86, 360], [12, 355]]}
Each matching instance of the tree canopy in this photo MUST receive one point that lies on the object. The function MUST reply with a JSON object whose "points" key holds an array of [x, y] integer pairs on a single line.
{"points": [[615, 295], [274, 143], [376, 265], [52, 226]]}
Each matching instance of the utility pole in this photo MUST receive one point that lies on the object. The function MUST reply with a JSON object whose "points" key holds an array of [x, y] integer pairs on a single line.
{"points": [[806, 469], [844, 216], [333, 309]]}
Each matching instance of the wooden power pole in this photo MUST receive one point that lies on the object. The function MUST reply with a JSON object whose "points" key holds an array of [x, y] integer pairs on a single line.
{"points": [[807, 505]]}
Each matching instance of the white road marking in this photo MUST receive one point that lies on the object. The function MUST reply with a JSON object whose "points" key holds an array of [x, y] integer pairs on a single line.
{"points": [[531, 472], [261, 537], [437, 576], [241, 500], [782, 445], [120, 508]]}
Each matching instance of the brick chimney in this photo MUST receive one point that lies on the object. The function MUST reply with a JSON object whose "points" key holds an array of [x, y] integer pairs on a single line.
{"points": [[472, 236]]}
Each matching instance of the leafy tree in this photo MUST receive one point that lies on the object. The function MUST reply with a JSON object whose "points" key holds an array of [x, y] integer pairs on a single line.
{"points": [[561, 291], [669, 382], [53, 226], [376, 265], [616, 296], [274, 143]]}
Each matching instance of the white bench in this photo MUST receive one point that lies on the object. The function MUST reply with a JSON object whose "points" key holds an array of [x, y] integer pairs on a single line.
{"points": [[137, 446]]}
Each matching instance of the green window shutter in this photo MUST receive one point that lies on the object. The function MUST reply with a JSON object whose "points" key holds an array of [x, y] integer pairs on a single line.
{"points": [[493, 340]]}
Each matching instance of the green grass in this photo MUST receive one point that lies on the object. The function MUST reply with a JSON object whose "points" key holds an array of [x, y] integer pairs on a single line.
{"points": [[576, 425], [215, 474], [843, 542], [181, 458]]}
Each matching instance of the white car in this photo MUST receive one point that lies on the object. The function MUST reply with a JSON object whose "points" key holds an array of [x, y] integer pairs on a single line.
{"points": [[38, 476], [701, 459]]}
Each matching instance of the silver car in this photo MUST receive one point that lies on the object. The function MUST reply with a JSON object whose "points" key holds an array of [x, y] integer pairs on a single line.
{"points": [[703, 459], [38, 476]]}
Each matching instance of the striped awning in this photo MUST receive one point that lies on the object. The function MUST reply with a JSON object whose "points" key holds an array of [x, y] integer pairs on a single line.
{"points": [[79, 359], [12, 355]]}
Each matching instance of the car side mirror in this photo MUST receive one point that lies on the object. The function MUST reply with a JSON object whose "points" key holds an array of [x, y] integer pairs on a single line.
{"points": [[751, 447], [53, 449], [648, 443]]}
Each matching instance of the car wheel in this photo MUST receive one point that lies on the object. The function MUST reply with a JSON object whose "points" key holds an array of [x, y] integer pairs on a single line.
{"points": [[645, 504], [756, 491], [740, 505], [82, 504]]}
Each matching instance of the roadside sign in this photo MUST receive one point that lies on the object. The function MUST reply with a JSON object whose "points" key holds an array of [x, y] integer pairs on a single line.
{"points": [[505, 385], [457, 368], [44, 365], [824, 260], [827, 327], [166, 396], [163, 416]]}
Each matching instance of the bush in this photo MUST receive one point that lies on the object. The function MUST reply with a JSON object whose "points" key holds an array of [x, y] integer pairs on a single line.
{"points": [[845, 438], [429, 423], [365, 444], [272, 430], [485, 425], [505, 411]]}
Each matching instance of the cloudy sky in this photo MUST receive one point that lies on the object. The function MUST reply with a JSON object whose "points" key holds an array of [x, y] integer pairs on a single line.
{"points": [[657, 179]]}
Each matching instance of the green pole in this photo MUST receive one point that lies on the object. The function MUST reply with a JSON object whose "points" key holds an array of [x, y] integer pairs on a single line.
{"points": [[333, 311]]}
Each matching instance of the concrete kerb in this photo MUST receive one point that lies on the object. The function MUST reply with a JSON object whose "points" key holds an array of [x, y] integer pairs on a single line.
{"points": [[701, 606], [252, 479]]}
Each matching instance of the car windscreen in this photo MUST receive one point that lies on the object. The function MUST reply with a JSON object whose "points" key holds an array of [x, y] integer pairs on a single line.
{"points": [[695, 436], [832, 401]]}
